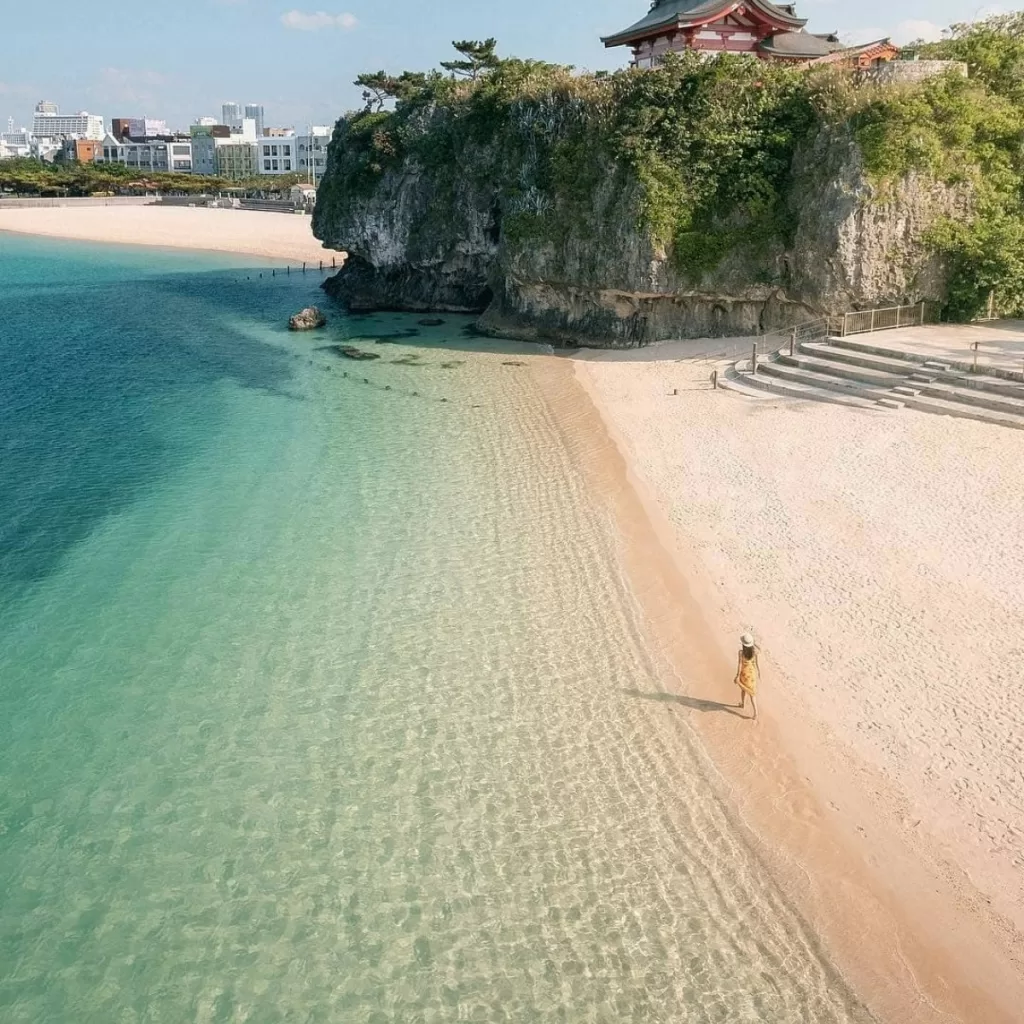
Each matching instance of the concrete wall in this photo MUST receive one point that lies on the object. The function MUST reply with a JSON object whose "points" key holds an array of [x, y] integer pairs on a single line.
{"points": [[912, 70], [15, 204]]}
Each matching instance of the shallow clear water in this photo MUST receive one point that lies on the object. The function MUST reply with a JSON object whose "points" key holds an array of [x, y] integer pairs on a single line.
{"points": [[319, 698]]}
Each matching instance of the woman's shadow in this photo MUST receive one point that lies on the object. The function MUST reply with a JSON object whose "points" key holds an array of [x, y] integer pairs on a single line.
{"points": [[693, 703]]}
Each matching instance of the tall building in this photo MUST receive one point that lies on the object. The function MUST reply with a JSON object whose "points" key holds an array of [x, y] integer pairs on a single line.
{"points": [[231, 115], [255, 111], [51, 125]]}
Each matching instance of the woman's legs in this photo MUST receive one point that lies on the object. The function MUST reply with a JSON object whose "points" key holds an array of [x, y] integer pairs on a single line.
{"points": [[753, 704]]}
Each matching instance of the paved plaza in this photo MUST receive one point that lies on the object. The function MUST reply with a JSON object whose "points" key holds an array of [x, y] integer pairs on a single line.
{"points": [[1001, 343]]}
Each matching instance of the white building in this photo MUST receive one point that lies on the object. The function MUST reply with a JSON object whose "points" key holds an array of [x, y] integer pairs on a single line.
{"points": [[277, 154], [291, 153], [17, 143], [313, 151], [83, 125], [151, 155]]}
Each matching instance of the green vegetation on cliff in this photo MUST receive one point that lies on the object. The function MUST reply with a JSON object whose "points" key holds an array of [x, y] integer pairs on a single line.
{"points": [[968, 132], [702, 152]]}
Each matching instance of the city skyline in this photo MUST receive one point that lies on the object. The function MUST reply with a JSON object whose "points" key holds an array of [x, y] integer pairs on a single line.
{"points": [[318, 53]]}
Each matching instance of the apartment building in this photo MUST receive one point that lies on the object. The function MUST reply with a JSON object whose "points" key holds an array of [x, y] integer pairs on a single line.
{"points": [[171, 153]]}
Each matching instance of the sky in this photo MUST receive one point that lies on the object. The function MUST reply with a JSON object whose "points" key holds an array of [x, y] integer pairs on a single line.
{"points": [[298, 58]]}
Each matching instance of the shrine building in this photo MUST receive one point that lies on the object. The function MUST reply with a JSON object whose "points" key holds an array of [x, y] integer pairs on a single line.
{"points": [[765, 30]]}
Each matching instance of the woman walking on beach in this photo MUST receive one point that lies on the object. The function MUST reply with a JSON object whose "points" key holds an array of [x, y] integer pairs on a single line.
{"points": [[748, 673]]}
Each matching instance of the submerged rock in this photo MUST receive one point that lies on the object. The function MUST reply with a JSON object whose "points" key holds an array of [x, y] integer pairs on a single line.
{"points": [[431, 321], [349, 352], [307, 319]]}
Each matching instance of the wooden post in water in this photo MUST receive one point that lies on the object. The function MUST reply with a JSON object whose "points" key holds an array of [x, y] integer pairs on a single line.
{"points": [[321, 266], [289, 269], [303, 266], [334, 264]]}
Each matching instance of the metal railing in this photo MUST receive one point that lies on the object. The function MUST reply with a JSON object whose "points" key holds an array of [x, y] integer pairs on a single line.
{"points": [[887, 319]]}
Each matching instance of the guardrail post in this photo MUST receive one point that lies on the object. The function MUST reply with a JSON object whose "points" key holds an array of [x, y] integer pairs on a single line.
{"points": [[872, 321], [753, 359], [714, 380], [922, 312]]}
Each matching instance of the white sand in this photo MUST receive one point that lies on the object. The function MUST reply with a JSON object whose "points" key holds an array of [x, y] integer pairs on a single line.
{"points": [[274, 235], [879, 557]]}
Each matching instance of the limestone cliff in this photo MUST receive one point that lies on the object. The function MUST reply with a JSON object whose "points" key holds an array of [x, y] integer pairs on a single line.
{"points": [[549, 238]]}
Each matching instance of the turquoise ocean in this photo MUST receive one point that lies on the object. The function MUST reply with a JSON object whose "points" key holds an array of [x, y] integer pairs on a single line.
{"points": [[320, 685]]}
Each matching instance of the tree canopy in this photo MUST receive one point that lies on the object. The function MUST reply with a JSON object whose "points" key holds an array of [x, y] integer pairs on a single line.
{"points": [[28, 176], [478, 57]]}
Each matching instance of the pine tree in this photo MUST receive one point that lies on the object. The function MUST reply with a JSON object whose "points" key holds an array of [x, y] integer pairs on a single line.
{"points": [[480, 56]]}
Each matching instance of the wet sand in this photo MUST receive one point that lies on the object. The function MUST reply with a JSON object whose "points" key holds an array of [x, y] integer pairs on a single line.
{"points": [[911, 879], [255, 233]]}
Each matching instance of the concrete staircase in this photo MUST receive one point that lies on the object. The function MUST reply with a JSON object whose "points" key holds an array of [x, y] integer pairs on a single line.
{"points": [[850, 371]]}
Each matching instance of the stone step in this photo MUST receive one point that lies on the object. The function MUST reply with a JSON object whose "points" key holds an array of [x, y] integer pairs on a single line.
{"points": [[841, 371], [932, 364], [835, 354], [960, 410], [891, 403], [1011, 405], [730, 380], [819, 377], [800, 382], [779, 388], [922, 378]]}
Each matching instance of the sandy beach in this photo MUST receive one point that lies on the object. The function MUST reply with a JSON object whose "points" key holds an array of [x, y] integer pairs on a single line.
{"points": [[879, 559], [254, 233]]}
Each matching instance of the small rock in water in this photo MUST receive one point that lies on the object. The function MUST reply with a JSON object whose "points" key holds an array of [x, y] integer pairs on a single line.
{"points": [[307, 319], [430, 321]]}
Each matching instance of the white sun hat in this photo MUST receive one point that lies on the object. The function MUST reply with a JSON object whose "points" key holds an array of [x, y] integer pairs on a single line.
{"points": [[747, 640]]}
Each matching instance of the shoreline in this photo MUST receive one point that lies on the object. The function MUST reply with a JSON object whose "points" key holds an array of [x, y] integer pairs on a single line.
{"points": [[275, 236], [915, 941]]}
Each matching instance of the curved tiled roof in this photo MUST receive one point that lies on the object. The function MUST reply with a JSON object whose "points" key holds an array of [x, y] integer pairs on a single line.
{"points": [[797, 44], [672, 13]]}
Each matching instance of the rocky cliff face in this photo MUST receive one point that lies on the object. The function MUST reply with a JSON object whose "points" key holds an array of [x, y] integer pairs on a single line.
{"points": [[479, 234], [858, 246]]}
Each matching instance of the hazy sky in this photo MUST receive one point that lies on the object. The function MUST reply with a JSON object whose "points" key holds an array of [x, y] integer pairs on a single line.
{"points": [[298, 57]]}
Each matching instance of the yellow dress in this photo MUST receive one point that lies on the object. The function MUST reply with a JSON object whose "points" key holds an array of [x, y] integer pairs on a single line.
{"points": [[747, 675]]}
